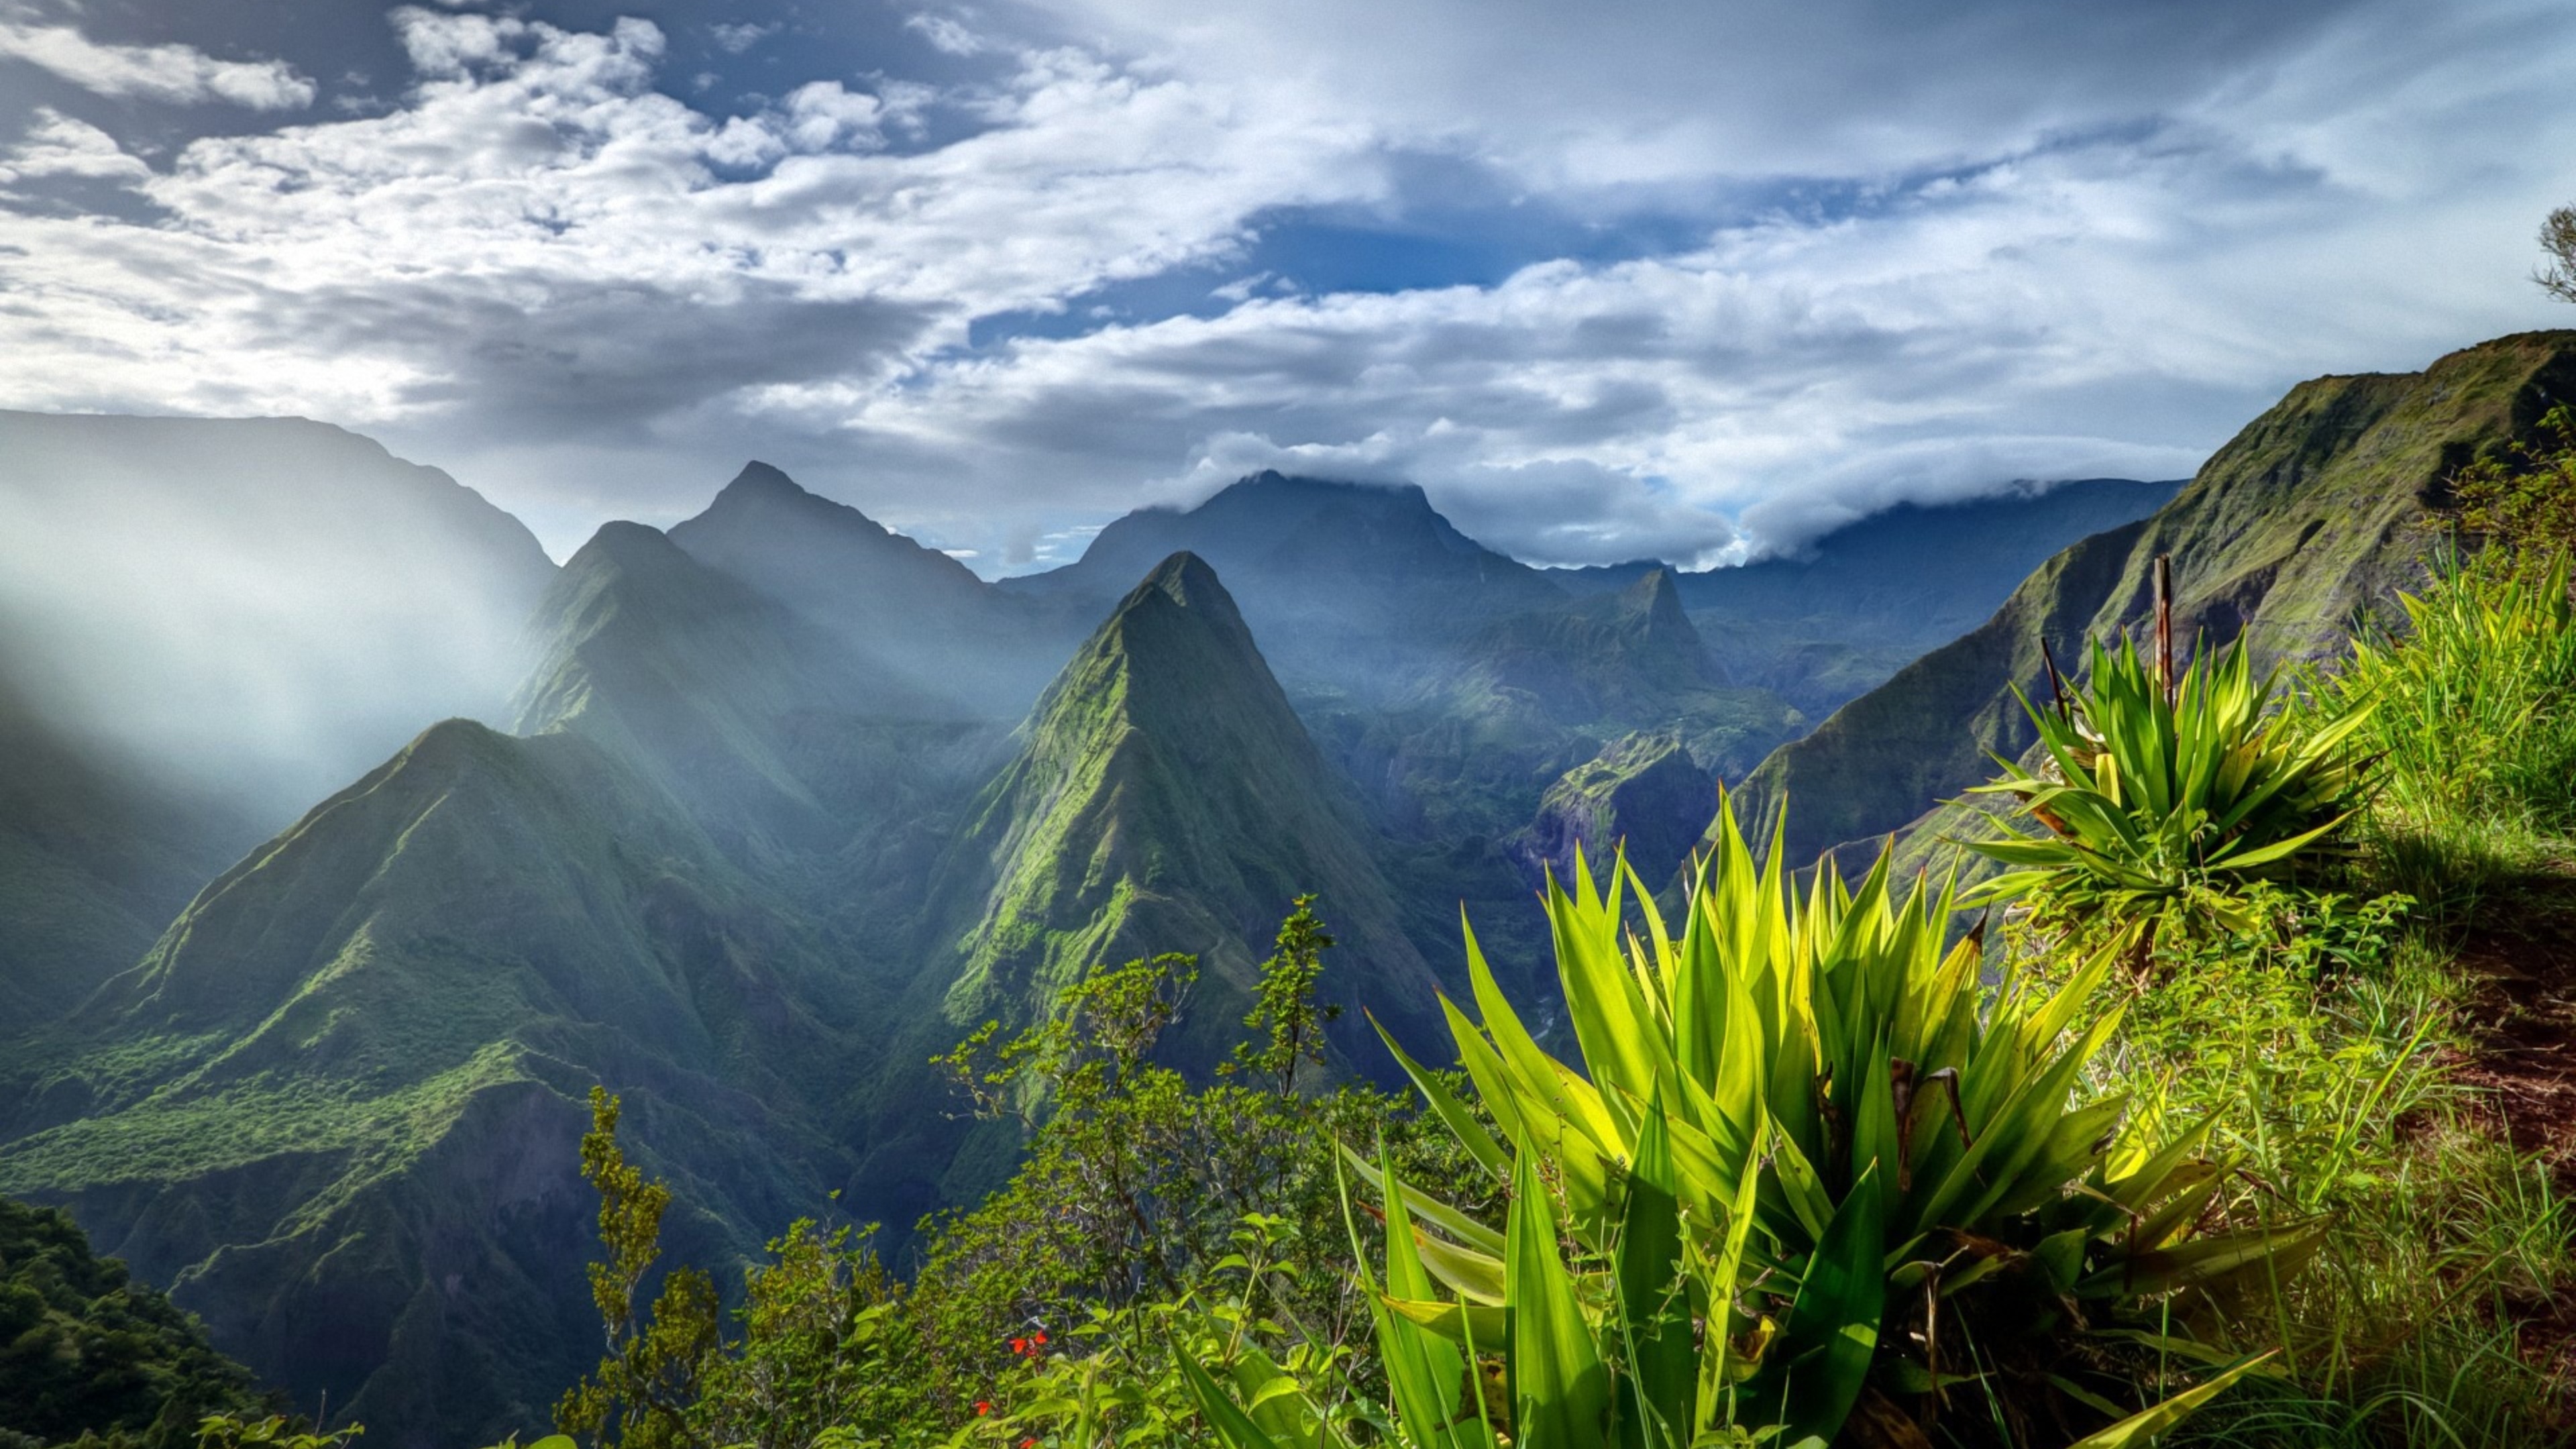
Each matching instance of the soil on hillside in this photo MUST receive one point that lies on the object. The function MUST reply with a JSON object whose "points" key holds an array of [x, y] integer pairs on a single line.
{"points": [[2523, 949], [2523, 952]]}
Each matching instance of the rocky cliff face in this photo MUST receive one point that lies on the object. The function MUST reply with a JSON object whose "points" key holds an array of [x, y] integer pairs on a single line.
{"points": [[1641, 794]]}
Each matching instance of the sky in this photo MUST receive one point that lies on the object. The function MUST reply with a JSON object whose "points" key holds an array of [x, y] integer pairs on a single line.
{"points": [[1685, 279]]}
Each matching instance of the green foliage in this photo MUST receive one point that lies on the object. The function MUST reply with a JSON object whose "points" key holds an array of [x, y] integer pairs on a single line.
{"points": [[2523, 496], [1149, 1212], [2473, 714], [1138, 1184], [823, 1343], [651, 1372], [276, 1431], [1802, 1127], [1122, 1375], [87, 1353], [1284, 1004], [2162, 796], [2335, 1094]]}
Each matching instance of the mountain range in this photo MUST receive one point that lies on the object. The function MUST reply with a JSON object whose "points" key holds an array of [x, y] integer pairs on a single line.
{"points": [[2302, 526], [770, 806]]}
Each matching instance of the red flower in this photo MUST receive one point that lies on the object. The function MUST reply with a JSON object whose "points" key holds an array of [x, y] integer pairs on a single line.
{"points": [[1041, 1338], [983, 1407], [1028, 1444], [1019, 1345]]}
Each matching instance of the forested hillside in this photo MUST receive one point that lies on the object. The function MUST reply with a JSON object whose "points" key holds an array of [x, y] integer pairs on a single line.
{"points": [[878, 894]]}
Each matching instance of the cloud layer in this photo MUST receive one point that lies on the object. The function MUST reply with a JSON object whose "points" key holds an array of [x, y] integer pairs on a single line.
{"points": [[1826, 256], [175, 73]]}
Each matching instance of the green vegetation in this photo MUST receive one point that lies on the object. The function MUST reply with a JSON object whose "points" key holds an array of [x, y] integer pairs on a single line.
{"points": [[2308, 519], [2342, 1026], [2167, 794], [88, 1354], [1932, 1185], [1162, 793], [1804, 1170], [2474, 723], [1149, 1212]]}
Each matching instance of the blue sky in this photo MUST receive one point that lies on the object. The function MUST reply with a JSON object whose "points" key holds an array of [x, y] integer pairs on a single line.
{"points": [[1674, 279]]}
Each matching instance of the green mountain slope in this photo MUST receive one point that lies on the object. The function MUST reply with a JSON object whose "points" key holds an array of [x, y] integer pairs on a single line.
{"points": [[205, 625], [1620, 656], [336, 1106], [1642, 793], [1165, 797], [1162, 797], [96, 854], [2306, 518], [710, 688], [1470, 748]]}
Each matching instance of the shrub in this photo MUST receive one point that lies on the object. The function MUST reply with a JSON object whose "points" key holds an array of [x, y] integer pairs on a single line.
{"points": [[1803, 1179], [2160, 797], [2473, 708], [2523, 497]]}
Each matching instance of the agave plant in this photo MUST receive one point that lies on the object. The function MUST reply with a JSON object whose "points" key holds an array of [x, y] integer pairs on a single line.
{"points": [[2157, 791], [1800, 1165]]}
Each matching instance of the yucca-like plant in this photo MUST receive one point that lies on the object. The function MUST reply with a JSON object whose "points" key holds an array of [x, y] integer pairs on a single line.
{"points": [[2161, 792], [1800, 1159]]}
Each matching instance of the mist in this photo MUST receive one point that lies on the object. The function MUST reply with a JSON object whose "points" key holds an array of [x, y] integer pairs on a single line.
{"points": [[258, 610]]}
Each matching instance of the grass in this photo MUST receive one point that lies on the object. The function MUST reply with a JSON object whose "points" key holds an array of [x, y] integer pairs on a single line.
{"points": [[2441, 1309], [2475, 730]]}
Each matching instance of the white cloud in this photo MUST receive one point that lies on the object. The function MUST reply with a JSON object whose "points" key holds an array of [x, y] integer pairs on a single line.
{"points": [[58, 145], [535, 246], [946, 34], [1923, 268], [176, 73], [734, 39], [1659, 91], [2111, 308]]}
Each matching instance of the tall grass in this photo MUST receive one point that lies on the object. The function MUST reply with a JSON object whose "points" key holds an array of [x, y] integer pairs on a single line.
{"points": [[2338, 1094], [2474, 727], [2325, 1033]]}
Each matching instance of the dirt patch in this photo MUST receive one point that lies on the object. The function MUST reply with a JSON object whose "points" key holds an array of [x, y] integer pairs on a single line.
{"points": [[2522, 951]]}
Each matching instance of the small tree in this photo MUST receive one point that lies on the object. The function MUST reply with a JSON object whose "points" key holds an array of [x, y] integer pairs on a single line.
{"points": [[2558, 240], [824, 1354], [647, 1378], [1284, 1004]]}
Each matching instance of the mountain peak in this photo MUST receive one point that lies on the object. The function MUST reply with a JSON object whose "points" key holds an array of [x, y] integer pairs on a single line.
{"points": [[1318, 568], [764, 492], [1186, 580], [622, 545], [1166, 797], [1183, 626], [1655, 599], [759, 479], [1272, 481]]}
